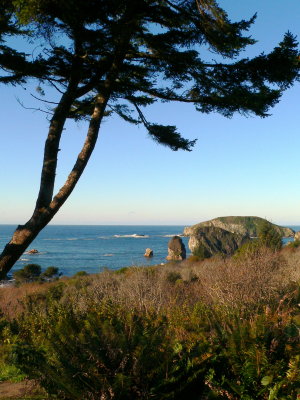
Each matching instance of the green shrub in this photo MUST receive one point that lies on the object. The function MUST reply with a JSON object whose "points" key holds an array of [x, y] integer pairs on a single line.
{"points": [[122, 270], [50, 272], [8, 371], [173, 277], [80, 273], [269, 237], [248, 249], [259, 358], [20, 275], [29, 273], [113, 352], [201, 252], [294, 245], [32, 270]]}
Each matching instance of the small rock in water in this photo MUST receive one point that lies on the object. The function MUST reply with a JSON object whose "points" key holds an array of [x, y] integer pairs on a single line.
{"points": [[148, 253], [32, 251]]}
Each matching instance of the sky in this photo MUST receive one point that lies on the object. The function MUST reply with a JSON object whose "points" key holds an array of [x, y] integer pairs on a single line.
{"points": [[239, 166]]}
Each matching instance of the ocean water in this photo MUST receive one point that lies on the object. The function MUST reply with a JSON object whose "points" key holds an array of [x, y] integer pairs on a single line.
{"points": [[92, 248]]}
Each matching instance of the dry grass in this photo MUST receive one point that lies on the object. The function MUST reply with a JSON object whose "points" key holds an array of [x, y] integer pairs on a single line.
{"points": [[21, 391], [241, 283], [12, 297], [236, 283]]}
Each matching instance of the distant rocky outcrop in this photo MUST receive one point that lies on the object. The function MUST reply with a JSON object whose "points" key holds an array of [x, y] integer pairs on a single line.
{"points": [[210, 240], [148, 253], [176, 249], [297, 236], [238, 225]]}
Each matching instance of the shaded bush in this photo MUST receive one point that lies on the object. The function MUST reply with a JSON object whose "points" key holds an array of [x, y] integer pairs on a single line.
{"points": [[80, 273], [173, 277], [117, 352], [28, 273], [114, 353], [248, 249], [50, 272], [269, 237], [32, 270], [201, 252], [260, 359]]}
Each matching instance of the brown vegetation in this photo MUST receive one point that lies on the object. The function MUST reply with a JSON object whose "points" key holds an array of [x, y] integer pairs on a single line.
{"points": [[20, 390], [241, 282]]}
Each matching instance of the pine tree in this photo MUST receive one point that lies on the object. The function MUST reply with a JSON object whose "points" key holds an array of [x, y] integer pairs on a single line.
{"points": [[119, 56]]}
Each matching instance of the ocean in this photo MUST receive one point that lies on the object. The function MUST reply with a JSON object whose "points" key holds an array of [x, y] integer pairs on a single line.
{"points": [[92, 248]]}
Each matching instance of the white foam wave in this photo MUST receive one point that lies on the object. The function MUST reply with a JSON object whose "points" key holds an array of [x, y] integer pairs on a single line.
{"points": [[175, 234], [53, 239], [134, 235], [108, 255]]}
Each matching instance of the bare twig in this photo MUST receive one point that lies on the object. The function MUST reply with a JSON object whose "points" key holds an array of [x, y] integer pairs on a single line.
{"points": [[33, 108], [45, 101]]}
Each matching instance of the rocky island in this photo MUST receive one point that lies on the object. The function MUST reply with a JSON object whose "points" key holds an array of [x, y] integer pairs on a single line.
{"points": [[240, 225], [226, 234]]}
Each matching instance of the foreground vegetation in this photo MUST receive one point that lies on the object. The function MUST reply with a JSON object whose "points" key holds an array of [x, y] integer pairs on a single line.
{"points": [[216, 329]]}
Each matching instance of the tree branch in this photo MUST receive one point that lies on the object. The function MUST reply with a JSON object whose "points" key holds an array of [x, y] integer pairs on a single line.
{"points": [[32, 108]]}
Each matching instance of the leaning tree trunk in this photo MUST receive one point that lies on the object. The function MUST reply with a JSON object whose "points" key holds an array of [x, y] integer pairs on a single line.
{"points": [[25, 234], [47, 205]]}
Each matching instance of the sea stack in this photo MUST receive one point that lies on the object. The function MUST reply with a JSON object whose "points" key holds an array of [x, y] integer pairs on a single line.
{"points": [[176, 249], [148, 253]]}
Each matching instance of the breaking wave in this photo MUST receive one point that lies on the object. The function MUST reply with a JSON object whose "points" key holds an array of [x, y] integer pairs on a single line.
{"points": [[134, 235]]}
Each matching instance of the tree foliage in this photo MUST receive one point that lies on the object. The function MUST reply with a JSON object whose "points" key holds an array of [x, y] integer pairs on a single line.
{"points": [[269, 237], [116, 57]]}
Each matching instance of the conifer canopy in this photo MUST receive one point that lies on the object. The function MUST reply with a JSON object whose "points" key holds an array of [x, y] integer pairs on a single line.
{"points": [[166, 50]]}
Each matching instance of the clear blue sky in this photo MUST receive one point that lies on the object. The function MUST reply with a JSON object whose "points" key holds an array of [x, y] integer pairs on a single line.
{"points": [[240, 166]]}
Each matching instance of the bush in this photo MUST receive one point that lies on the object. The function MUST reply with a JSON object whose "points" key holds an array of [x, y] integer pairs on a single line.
{"points": [[32, 270], [8, 371], [269, 237], [201, 252], [50, 272], [28, 273], [114, 353], [122, 270], [173, 277], [117, 352], [294, 245], [80, 273], [193, 259], [249, 249], [260, 358]]}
